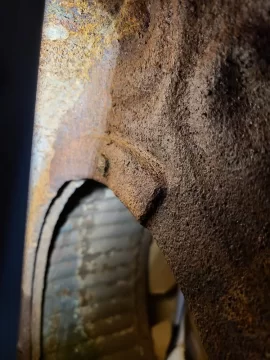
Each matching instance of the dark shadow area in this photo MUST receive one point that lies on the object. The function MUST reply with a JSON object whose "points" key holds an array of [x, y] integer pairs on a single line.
{"points": [[20, 33]]}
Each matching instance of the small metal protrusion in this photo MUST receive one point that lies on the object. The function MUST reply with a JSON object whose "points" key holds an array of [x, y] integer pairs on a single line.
{"points": [[103, 165]]}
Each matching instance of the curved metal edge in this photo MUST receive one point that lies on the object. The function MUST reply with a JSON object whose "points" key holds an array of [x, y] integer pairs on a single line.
{"points": [[41, 260]]}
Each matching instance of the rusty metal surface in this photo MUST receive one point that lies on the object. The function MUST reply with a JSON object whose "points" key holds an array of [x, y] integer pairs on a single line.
{"points": [[166, 103]]}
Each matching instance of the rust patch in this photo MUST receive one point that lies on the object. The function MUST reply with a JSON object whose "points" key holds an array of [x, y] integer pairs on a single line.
{"points": [[176, 98], [40, 196]]}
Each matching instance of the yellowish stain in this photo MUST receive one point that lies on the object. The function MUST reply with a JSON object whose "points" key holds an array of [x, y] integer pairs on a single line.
{"points": [[39, 196], [68, 61]]}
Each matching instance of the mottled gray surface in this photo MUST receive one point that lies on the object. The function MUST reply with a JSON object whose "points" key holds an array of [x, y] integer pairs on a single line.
{"points": [[95, 295]]}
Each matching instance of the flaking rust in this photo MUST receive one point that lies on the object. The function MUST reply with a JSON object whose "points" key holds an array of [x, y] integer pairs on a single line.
{"points": [[182, 89]]}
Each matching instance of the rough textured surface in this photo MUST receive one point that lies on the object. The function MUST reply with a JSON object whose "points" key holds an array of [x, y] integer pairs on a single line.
{"points": [[203, 111], [177, 105]]}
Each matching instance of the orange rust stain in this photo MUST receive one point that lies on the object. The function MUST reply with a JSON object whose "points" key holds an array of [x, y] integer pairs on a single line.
{"points": [[39, 196], [67, 62], [237, 307]]}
